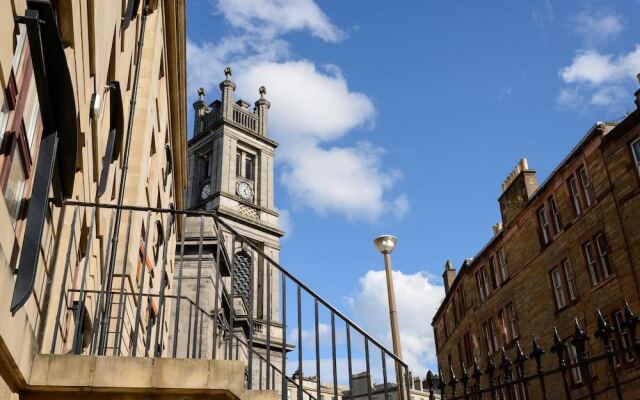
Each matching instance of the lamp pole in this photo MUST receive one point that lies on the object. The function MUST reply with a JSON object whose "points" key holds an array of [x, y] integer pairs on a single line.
{"points": [[385, 244]]}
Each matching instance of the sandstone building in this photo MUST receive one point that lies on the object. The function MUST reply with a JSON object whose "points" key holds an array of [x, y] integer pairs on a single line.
{"points": [[92, 112], [566, 247]]}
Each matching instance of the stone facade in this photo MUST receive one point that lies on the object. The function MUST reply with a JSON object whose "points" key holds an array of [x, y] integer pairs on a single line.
{"points": [[102, 51], [565, 249]]}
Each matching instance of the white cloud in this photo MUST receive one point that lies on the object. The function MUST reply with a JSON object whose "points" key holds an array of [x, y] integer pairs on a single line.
{"points": [[284, 222], [598, 79], [311, 107], [595, 68], [275, 17], [416, 306], [597, 27]]}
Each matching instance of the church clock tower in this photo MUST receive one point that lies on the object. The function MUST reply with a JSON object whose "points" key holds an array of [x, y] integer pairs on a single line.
{"points": [[231, 160]]}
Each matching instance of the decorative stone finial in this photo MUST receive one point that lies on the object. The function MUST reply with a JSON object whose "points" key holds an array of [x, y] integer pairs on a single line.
{"points": [[262, 91], [201, 94], [227, 73]]}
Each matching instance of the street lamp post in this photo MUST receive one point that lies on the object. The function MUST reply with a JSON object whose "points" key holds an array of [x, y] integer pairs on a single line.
{"points": [[385, 244]]}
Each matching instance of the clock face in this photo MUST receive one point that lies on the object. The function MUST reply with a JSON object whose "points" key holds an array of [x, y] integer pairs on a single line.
{"points": [[244, 190], [206, 191]]}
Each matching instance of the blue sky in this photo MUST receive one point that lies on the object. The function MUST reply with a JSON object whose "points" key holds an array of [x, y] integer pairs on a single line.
{"points": [[404, 117]]}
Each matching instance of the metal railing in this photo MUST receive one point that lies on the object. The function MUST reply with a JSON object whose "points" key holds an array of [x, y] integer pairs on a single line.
{"points": [[186, 284], [522, 376]]}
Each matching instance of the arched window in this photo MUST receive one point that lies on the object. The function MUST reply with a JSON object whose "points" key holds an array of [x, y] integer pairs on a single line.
{"points": [[242, 274]]}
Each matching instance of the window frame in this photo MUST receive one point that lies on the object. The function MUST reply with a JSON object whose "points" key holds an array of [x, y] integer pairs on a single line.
{"points": [[557, 288], [585, 185], [603, 255], [543, 223], [570, 279], [636, 156], [555, 214], [574, 194], [502, 261]]}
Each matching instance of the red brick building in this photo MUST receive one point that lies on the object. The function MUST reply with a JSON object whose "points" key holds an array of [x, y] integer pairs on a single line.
{"points": [[566, 247]]}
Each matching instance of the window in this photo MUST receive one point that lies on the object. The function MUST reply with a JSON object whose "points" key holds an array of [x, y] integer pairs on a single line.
{"points": [[509, 324], [249, 169], [15, 187], [490, 334], [467, 349], [571, 282], [623, 339], [635, 149], [248, 162], [576, 374], [586, 185], [599, 263], [575, 196], [482, 284], [555, 215], [446, 326], [504, 269], [495, 273], [544, 226], [603, 253], [558, 290]]}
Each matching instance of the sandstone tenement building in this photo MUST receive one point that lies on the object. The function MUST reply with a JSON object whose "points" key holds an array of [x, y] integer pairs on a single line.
{"points": [[566, 247]]}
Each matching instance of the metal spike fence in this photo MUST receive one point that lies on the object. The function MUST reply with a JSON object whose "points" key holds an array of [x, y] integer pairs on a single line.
{"points": [[182, 284], [521, 376]]}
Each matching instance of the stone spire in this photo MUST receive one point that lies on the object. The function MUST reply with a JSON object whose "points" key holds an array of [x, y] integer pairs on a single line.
{"points": [[262, 105], [227, 87], [200, 107]]}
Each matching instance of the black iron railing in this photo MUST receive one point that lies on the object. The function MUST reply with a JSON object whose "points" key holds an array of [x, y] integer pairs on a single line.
{"points": [[186, 284], [522, 376]]}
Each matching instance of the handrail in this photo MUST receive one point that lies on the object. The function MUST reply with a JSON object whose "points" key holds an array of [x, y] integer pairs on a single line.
{"points": [[215, 215]]}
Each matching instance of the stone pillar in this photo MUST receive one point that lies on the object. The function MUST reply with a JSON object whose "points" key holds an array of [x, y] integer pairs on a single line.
{"points": [[227, 87], [200, 109], [262, 105]]}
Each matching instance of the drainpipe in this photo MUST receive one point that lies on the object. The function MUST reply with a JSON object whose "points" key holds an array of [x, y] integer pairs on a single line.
{"points": [[121, 190]]}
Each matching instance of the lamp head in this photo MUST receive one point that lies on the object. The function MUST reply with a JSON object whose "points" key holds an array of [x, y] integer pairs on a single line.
{"points": [[385, 243]]}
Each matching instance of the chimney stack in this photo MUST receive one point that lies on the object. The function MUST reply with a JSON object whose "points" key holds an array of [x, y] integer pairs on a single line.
{"points": [[638, 93], [448, 276], [516, 190]]}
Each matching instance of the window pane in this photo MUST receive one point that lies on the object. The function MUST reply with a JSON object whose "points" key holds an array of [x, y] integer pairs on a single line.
{"points": [[503, 264], [513, 321], [603, 252], [249, 168], [573, 359], [591, 261], [568, 272], [15, 187], [238, 164], [636, 153], [544, 225], [4, 117], [554, 214], [575, 196], [585, 185], [557, 289]]}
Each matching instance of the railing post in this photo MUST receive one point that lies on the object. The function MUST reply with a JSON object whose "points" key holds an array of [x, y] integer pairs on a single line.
{"points": [[520, 360], [452, 382], [505, 366], [558, 349], [464, 378], [491, 369], [430, 385], [604, 333], [631, 323], [477, 374], [580, 340], [441, 385], [536, 354]]}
